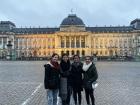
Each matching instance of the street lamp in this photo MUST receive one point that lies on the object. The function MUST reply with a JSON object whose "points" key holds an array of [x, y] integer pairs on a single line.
{"points": [[9, 53]]}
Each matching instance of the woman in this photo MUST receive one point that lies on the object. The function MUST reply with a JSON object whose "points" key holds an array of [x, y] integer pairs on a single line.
{"points": [[51, 80], [65, 80], [90, 76], [76, 70]]}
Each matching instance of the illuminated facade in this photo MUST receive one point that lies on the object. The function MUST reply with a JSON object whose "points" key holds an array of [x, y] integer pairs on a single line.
{"points": [[73, 37]]}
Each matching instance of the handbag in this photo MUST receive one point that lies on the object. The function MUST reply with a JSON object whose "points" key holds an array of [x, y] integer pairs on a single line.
{"points": [[94, 85]]}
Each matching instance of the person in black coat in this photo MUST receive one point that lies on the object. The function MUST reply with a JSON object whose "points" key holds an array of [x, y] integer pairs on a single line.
{"points": [[90, 76], [65, 80], [51, 79], [76, 70]]}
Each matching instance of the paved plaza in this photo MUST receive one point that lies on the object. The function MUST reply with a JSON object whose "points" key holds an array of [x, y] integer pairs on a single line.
{"points": [[21, 83]]}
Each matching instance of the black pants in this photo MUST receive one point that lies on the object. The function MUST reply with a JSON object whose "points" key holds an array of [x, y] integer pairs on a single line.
{"points": [[75, 95], [67, 101], [90, 93], [69, 95]]}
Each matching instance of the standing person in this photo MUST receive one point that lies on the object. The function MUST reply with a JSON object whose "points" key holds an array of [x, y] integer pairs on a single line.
{"points": [[65, 80], [76, 70], [90, 76], [51, 80]]}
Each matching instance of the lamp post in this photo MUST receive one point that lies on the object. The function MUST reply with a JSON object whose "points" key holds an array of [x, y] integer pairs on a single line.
{"points": [[9, 52]]}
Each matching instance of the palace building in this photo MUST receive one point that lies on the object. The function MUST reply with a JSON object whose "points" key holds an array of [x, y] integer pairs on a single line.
{"points": [[72, 37]]}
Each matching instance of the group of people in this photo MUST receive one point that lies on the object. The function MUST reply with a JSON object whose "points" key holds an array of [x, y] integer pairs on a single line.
{"points": [[65, 79]]}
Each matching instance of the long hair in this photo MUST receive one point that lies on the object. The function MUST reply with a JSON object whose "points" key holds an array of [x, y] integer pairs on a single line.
{"points": [[64, 54]]}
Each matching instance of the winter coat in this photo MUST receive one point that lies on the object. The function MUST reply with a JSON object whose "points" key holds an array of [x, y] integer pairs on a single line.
{"points": [[65, 71], [90, 76], [65, 68], [52, 76], [76, 74]]}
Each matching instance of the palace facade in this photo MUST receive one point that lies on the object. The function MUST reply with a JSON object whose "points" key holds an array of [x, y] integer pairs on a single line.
{"points": [[72, 37]]}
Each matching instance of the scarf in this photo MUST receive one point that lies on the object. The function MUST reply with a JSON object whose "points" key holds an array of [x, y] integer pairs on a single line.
{"points": [[86, 66], [65, 65], [55, 65], [76, 64]]}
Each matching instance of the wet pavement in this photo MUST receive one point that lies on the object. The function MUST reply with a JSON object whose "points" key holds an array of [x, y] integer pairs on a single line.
{"points": [[21, 83]]}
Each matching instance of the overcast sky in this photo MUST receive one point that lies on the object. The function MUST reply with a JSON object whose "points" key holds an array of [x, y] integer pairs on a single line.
{"points": [[50, 13]]}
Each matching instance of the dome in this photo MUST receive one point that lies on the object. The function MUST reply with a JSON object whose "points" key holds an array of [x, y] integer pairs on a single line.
{"points": [[72, 19]]}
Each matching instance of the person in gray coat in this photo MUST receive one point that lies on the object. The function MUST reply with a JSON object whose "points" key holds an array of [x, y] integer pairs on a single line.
{"points": [[65, 80]]}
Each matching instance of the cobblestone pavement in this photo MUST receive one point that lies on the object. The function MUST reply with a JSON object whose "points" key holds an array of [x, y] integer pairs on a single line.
{"points": [[21, 83]]}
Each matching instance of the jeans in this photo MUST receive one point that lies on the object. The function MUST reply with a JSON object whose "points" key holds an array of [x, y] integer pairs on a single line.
{"points": [[52, 96]]}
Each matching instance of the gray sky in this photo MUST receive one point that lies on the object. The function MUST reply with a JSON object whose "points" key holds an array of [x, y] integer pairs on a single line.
{"points": [[50, 13]]}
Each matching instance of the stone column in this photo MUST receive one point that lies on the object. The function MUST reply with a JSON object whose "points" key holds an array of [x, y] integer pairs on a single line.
{"points": [[70, 41], [80, 41], [65, 42], [75, 42]]}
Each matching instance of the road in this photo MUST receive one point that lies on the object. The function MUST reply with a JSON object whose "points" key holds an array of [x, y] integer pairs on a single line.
{"points": [[21, 83]]}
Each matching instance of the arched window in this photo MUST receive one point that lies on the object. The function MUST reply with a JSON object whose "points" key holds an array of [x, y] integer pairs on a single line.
{"points": [[83, 53], [44, 53], [72, 52], [67, 52], [78, 52], [62, 52]]}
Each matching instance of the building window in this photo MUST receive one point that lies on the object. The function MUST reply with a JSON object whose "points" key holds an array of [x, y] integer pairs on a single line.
{"points": [[105, 52], [96, 52], [77, 42], [62, 42], [72, 52], [83, 42], [62, 52], [83, 53], [101, 53], [72, 42], [44, 53], [67, 42], [67, 52], [78, 52]]}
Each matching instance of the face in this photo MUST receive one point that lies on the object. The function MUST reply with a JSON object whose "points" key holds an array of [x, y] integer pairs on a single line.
{"points": [[65, 58], [87, 60], [76, 59], [55, 58]]}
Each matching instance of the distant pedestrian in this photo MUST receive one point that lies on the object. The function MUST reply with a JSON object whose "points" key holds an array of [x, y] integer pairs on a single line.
{"points": [[51, 80], [90, 76], [65, 80], [77, 79]]}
